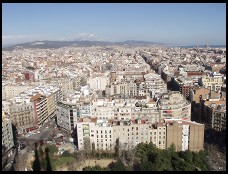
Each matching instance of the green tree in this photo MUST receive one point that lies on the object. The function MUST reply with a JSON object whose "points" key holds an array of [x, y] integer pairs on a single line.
{"points": [[93, 149], [117, 166], [117, 148], [52, 149], [94, 168], [41, 152], [187, 156], [147, 166]]}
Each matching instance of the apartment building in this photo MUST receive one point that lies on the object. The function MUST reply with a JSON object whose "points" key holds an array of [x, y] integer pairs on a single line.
{"points": [[185, 135], [12, 89], [31, 108], [97, 132], [67, 115], [130, 133], [157, 135], [218, 117], [85, 109], [195, 94], [183, 85], [77, 81], [174, 105], [207, 102], [22, 116], [103, 135], [7, 136], [98, 82], [66, 84], [39, 102], [103, 112], [213, 82], [154, 83]]}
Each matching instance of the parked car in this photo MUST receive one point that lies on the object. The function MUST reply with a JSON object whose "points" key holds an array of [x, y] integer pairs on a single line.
{"points": [[11, 161]]}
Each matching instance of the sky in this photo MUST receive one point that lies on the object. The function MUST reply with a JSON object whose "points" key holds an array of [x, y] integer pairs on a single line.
{"points": [[174, 23]]}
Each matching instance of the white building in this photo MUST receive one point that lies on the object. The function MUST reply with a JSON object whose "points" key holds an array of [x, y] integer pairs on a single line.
{"points": [[98, 82], [67, 115]]}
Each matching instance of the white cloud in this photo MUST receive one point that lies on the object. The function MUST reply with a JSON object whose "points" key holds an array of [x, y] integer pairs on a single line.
{"points": [[85, 36]]}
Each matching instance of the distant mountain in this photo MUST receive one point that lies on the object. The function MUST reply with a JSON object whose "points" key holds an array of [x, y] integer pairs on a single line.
{"points": [[60, 44]]}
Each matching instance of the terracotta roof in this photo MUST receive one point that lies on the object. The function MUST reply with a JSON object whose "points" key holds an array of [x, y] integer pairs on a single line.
{"points": [[93, 119], [38, 95]]}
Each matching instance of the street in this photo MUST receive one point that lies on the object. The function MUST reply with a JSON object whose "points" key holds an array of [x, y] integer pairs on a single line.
{"points": [[45, 130]]}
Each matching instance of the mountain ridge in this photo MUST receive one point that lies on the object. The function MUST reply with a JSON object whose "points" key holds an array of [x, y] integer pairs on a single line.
{"points": [[59, 44]]}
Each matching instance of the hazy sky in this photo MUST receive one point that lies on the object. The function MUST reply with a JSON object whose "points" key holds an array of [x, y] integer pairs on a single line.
{"points": [[184, 24]]}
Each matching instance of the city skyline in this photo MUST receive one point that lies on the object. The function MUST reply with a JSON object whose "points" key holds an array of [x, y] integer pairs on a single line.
{"points": [[177, 24]]}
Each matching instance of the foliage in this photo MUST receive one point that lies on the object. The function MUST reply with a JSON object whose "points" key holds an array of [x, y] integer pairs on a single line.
{"points": [[154, 159], [42, 161], [117, 166], [147, 166], [61, 161], [95, 168], [52, 149], [67, 154]]}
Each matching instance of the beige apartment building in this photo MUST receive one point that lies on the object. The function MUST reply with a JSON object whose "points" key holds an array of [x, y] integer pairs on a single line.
{"points": [[130, 133], [11, 90], [196, 93], [66, 84], [51, 105], [213, 82], [22, 116], [207, 103], [40, 108], [174, 105], [186, 135], [98, 82], [157, 135]]}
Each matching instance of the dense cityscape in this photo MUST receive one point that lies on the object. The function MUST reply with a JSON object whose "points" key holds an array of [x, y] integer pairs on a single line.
{"points": [[101, 92], [97, 95]]}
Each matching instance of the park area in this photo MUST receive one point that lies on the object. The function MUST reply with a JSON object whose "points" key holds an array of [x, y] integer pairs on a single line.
{"points": [[48, 158], [145, 157], [78, 166]]}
